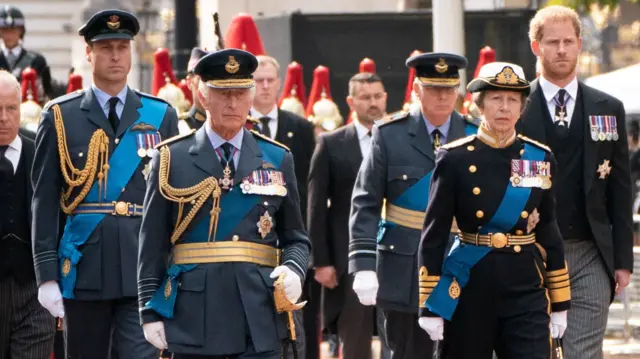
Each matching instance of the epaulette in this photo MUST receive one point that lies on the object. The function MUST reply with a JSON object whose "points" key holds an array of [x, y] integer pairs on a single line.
{"points": [[534, 142], [473, 120], [265, 138], [140, 93], [62, 99], [395, 117], [459, 142], [175, 138]]}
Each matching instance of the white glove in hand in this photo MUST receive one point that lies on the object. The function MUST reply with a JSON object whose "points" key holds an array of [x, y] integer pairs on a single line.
{"points": [[154, 334], [365, 284], [292, 282], [558, 324], [50, 298], [434, 326]]}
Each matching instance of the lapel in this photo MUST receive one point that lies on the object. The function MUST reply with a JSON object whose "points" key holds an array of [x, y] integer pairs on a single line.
{"points": [[250, 157], [4, 64], [284, 127], [352, 146], [204, 155], [591, 101], [91, 107], [28, 150], [420, 138], [456, 129], [532, 119], [130, 112]]}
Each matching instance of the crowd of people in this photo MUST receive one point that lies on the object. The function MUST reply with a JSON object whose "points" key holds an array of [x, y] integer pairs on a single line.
{"points": [[230, 216]]}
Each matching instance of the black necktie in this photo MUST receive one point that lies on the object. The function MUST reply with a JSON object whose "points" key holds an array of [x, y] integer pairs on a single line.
{"points": [[6, 167], [436, 137], [562, 125], [227, 148], [113, 115], [265, 126]]}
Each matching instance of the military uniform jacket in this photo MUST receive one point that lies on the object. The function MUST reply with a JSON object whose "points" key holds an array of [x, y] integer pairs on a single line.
{"points": [[28, 58], [108, 264], [468, 184], [191, 120], [219, 305], [401, 154]]}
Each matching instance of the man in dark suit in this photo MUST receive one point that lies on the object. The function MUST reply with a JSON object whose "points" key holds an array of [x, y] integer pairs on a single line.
{"points": [[334, 167], [586, 131], [15, 58], [398, 169], [26, 328], [92, 155]]}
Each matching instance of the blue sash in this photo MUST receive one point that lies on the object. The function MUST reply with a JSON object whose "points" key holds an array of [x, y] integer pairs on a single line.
{"points": [[123, 163], [470, 129], [463, 257], [235, 206]]}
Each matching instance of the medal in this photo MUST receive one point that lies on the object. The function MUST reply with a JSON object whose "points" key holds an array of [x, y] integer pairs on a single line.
{"points": [[142, 152], [602, 136], [265, 224], [226, 181], [594, 128], [607, 126], [614, 128]]}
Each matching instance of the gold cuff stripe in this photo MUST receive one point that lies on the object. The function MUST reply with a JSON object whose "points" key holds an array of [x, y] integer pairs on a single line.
{"points": [[409, 218], [429, 278], [425, 290], [559, 278], [558, 285], [560, 295], [428, 285], [558, 272], [222, 252]]}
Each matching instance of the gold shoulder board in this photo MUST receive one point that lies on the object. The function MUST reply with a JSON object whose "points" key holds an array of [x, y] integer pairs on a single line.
{"points": [[183, 116], [534, 142], [175, 138], [459, 142], [394, 117], [265, 138]]}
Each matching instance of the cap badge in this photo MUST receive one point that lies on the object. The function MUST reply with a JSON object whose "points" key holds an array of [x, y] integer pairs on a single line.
{"points": [[114, 22], [441, 66], [9, 20], [232, 65], [507, 77]]}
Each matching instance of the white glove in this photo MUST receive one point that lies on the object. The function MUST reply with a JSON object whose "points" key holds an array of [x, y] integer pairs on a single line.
{"points": [[558, 324], [434, 326], [365, 284], [50, 298], [292, 282], [154, 334]]}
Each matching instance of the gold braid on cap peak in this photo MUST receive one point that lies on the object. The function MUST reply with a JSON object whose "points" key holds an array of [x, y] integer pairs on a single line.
{"points": [[97, 161], [196, 195]]}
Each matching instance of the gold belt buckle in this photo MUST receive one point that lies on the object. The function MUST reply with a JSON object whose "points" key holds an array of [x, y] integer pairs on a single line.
{"points": [[121, 208], [498, 240]]}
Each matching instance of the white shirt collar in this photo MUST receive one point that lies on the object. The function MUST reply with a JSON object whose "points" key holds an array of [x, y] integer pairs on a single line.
{"points": [[15, 51], [550, 90], [217, 141], [16, 144], [361, 130], [13, 152], [273, 114]]}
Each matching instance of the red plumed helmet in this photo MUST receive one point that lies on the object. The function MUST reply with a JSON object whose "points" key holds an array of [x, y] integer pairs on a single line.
{"points": [[30, 110], [409, 96], [75, 82], [293, 96], [243, 34], [321, 110], [487, 55], [367, 65], [186, 91], [29, 85], [164, 83]]}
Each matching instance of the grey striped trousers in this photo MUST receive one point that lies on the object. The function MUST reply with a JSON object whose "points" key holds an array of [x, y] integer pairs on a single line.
{"points": [[590, 296], [26, 328]]}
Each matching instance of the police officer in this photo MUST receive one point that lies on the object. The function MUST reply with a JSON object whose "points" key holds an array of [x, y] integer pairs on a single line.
{"points": [[15, 58], [398, 168], [92, 155], [494, 287], [229, 203]]}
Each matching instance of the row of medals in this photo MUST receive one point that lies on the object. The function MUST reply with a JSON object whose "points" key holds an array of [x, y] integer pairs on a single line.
{"points": [[537, 180]]}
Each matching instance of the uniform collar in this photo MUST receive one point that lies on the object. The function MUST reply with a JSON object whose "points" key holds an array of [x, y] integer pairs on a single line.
{"points": [[444, 128], [217, 141], [103, 97], [550, 90], [197, 114], [492, 140]]}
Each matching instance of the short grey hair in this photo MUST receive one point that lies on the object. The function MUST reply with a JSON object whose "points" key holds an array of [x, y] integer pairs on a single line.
{"points": [[7, 79]]}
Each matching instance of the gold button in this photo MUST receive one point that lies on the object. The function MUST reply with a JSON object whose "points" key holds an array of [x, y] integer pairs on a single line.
{"points": [[476, 190], [524, 214], [521, 152], [472, 169], [479, 214], [517, 248], [519, 232], [235, 238], [117, 140], [404, 177], [470, 148]]}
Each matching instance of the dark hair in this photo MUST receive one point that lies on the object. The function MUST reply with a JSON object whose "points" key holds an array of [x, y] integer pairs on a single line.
{"points": [[633, 127], [362, 78]]}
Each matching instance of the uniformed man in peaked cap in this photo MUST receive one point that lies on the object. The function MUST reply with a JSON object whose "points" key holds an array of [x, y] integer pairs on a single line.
{"points": [[92, 154], [398, 168], [232, 253], [194, 119]]}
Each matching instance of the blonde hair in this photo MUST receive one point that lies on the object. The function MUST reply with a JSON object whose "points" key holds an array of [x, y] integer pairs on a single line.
{"points": [[264, 60], [7, 79], [555, 13]]}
